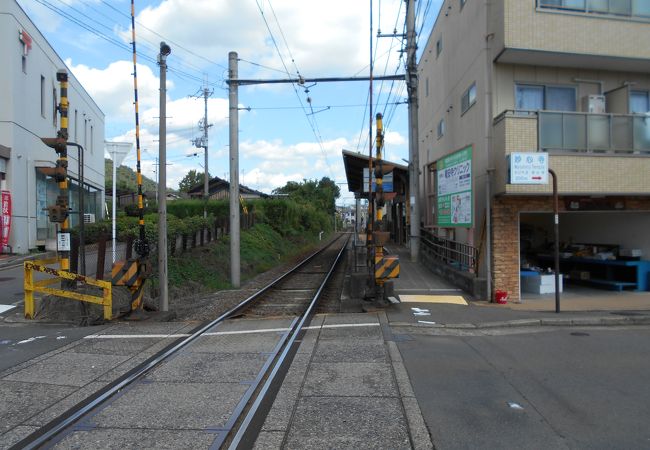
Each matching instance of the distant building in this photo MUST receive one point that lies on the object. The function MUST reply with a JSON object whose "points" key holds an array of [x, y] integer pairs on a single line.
{"points": [[219, 189], [28, 111]]}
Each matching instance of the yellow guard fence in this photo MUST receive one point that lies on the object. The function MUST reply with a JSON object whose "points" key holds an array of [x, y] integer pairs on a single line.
{"points": [[31, 286]]}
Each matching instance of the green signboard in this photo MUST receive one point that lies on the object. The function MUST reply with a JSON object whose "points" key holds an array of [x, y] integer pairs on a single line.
{"points": [[455, 200]]}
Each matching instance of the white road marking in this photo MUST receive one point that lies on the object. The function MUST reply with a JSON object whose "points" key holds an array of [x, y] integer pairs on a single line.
{"points": [[5, 308], [222, 333], [31, 339]]}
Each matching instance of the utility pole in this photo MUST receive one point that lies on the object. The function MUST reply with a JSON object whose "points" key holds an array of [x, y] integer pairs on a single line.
{"points": [[233, 86], [233, 105], [414, 157], [162, 181]]}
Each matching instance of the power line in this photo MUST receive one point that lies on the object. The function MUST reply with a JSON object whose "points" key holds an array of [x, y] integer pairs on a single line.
{"points": [[80, 23], [175, 44], [313, 124], [261, 65]]}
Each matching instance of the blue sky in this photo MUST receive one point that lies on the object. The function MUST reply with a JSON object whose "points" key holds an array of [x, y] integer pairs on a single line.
{"points": [[288, 134]]}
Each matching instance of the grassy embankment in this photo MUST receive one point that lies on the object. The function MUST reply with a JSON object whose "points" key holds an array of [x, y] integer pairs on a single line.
{"points": [[262, 248]]}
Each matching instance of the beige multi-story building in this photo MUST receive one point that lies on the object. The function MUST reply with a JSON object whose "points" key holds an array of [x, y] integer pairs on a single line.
{"points": [[566, 78]]}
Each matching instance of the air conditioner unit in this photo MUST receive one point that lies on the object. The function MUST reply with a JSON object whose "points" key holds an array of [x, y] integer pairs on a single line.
{"points": [[594, 104], [89, 218]]}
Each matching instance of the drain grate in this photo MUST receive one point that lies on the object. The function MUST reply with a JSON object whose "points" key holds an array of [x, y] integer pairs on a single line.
{"points": [[579, 333]]}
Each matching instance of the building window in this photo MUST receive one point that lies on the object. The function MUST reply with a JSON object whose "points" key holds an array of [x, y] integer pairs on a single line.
{"points": [[468, 98], [441, 128], [630, 8], [76, 122], [24, 64], [54, 108], [462, 3], [438, 46], [42, 96], [92, 138], [426, 87], [530, 97], [639, 103]]}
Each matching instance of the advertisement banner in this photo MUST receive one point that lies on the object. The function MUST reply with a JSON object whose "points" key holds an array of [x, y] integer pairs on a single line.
{"points": [[6, 218], [455, 200]]}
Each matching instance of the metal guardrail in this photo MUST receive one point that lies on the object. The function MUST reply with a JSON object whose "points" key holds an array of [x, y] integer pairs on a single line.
{"points": [[460, 256], [570, 131], [31, 286]]}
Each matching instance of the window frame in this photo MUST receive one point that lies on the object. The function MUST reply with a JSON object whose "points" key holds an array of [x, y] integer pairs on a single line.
{"points": [[55, 108], [545, 88], [585, 9], [470, 101], [441, 128], [647, 98], [42, 96], [438, 46]]}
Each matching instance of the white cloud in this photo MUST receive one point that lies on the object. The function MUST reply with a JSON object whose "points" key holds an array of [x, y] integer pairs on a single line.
{"points": [[321, 37], [112, 87]]}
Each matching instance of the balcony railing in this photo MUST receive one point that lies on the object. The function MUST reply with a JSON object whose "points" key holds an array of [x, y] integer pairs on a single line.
{"points": [[589, 132], [620, 8]]}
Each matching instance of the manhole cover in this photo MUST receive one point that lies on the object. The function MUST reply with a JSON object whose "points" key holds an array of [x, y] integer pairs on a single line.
{"points": [[7, 278], [579, 333], [628, 313]]}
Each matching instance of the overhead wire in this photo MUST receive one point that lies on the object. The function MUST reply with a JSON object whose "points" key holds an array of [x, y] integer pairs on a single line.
{"points": [[106, 37], [175, 44], [313, 125]]}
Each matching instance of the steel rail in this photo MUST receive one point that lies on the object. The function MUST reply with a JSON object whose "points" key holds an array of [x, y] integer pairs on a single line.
{"points": [[242, 439], [55, 427]]}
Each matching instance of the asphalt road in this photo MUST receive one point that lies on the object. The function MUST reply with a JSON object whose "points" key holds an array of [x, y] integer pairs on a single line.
{"points": [[11, 285], [557, 388], [21, 342]]}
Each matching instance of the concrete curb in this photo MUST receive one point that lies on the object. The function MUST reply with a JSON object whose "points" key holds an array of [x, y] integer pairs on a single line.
{"points": [[544, 322], [421, 439]]}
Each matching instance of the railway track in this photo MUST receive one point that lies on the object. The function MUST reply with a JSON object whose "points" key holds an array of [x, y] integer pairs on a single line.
{"points": [[233, 347]]}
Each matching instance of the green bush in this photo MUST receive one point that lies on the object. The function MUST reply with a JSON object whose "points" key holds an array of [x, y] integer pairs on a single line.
{"points": [[189, 208]]}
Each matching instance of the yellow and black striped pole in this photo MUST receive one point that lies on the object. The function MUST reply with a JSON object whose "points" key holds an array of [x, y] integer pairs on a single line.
{"points": [[62, 201], [379, 143], [141, 245]]}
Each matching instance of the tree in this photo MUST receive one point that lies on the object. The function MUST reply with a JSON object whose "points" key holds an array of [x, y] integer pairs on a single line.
{"points": [[191, 179], [321, 194]]}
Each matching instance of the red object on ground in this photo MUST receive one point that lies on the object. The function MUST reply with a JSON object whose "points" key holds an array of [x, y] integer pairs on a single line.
{"points": [[501, 297]]}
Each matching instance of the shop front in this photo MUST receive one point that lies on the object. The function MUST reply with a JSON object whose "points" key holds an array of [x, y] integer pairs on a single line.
{"points": [[604, 245]]}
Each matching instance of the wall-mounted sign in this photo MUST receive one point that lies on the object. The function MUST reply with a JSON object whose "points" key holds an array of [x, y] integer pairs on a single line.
{"points": [[528, 168], [455, 201], [386, 181], [63, 242]]}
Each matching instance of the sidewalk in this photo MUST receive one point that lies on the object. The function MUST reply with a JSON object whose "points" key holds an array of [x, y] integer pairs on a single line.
{"points": [[430, 301]]}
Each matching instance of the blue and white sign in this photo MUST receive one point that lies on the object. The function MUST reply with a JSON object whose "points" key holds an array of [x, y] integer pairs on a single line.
{"points": [[528, 168]]}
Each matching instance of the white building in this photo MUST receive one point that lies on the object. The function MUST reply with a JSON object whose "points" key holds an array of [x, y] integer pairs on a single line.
{"points": [[30, 94]]}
